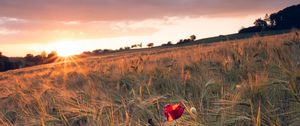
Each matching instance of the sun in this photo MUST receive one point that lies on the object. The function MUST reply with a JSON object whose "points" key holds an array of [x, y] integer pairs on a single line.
{"points": [[66, 48], [64, 53]]}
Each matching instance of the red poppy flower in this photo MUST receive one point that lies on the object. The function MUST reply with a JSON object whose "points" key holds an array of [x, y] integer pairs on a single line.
{"points": [[173, 112]]}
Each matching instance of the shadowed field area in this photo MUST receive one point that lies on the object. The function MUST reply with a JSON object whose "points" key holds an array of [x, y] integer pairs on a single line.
{"points": [[252, 81]]}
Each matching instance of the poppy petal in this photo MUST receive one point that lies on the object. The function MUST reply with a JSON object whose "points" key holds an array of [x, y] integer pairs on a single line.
{"points": [[173, 112]]}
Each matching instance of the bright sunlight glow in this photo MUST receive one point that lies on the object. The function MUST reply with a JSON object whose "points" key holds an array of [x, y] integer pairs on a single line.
{"points": [[65, 48]]}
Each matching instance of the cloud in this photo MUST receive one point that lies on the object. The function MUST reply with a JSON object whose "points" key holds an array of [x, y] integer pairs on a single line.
{"points": [[49, 31], [25, 22], [4, 31], [47, 20], [71, 22], [87, 10]]}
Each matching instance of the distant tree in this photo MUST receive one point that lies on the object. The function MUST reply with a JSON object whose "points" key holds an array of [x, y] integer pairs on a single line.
{"points": [[38, 59], [251, 29], [134, 46], [87, 53], [193, 37], [260, 23], [29, 58], [52, 57], [267, 19], [287, 18], [127, 48], [97, 51], [169, 43], [52, 54], [273, 20], [140, 45], [182, 41], [186, 40], [44, 55], [164, 44], [5, 64], [150, 45], [2, 57], [107, 50]]}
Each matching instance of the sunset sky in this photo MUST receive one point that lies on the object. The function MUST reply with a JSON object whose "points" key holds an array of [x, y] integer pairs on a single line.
{"points": [[31, 26]]}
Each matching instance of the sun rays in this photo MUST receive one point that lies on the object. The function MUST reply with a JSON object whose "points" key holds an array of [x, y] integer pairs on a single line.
{"points": [[66, 48]]}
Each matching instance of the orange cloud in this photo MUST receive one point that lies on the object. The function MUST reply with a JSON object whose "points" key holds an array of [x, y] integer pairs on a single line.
{"points": [[69, 10]]}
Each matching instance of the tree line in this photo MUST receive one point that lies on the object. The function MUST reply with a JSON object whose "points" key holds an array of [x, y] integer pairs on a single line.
{"points": [[287, 18], [192, 38], [10, 63]]}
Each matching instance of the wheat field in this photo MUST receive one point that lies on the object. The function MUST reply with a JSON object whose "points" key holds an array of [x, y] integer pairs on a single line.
{"points": [[247, 82]]}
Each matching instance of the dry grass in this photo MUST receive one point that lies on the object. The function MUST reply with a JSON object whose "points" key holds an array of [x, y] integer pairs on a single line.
{"points": [[246, 82]]}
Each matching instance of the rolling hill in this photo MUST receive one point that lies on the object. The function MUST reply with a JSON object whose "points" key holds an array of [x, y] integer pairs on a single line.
{"points": [[252, 81]]}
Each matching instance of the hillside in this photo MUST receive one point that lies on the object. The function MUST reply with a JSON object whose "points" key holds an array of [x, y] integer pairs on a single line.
{"points": [[254, 81], [287, 18]]}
